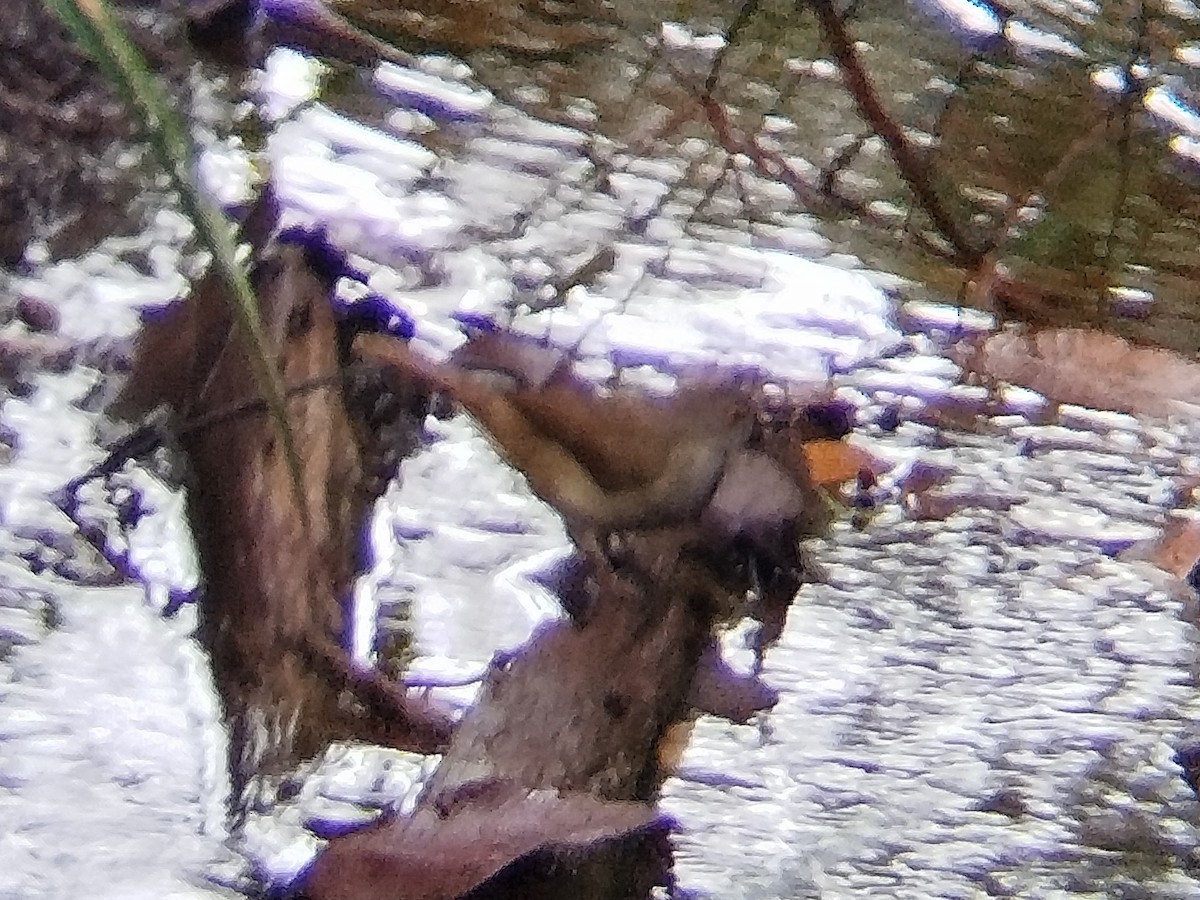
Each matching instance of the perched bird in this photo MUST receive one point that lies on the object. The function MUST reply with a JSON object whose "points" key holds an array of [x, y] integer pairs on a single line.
{"points": [[701, 483], [617, 461]]}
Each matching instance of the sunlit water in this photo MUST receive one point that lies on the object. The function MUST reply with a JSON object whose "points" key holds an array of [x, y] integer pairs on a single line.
{"points": [[981, 706]]}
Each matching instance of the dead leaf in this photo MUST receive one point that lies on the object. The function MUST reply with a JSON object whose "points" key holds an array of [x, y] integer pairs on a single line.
{"points": [[720, 690], [1088, 368], [922, 477], [935, 506], [426, 856], [1176, 551]]}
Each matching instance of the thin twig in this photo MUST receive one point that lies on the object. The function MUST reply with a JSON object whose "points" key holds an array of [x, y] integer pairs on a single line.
{"points": [[912, 167], [773, 165], [412, 722], [983, 278], [145, 439], [1048, 182], [741, 20], [1130, 97]]}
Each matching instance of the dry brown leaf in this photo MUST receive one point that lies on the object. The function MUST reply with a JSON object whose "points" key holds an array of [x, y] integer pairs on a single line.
{"points": [[720, 690], [430, 857], [1176, 551], [1088, 368]]}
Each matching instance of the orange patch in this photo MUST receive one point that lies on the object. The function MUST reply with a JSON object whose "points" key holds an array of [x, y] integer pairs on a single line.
{"points": [[832, 463], [673, 743]]}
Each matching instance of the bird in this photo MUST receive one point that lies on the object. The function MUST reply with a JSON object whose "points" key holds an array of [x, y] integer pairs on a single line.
{"points": [[622, 460]]}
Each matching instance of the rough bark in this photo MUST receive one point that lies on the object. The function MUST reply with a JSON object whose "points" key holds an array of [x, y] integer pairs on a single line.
{"points": [[274, 579]]}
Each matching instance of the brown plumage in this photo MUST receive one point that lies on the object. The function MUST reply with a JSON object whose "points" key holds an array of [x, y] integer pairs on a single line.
{"points": [[618, 461]]}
